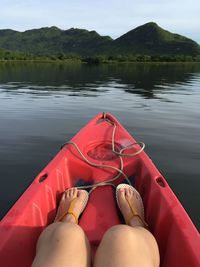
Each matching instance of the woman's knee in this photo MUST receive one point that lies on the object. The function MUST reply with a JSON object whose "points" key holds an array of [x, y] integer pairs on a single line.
{"points": [[118, 233], [66, 230], [61, 231]]}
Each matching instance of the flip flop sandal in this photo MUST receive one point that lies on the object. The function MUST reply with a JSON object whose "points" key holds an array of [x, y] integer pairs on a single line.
{"points": [[134, 212], [71, 208]]}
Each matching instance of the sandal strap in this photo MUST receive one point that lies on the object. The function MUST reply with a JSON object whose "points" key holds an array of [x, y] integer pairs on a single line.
{"points": [[59, 219], [69, 211], [134, 214], [139, 217], [75, 217]]}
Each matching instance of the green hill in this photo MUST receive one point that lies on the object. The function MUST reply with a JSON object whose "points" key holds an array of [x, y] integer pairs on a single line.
{"points": [[48, 41], [148, 39]]}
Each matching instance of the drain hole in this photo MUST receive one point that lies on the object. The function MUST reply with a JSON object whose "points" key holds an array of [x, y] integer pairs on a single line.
{"points": [[43, 177], [160, 182]]}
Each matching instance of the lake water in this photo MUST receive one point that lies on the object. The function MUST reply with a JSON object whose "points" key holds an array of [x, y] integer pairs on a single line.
{"points": [[42, 105]]}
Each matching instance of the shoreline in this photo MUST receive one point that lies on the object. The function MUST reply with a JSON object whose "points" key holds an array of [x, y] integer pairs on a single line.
{"points": [[107, 62]]}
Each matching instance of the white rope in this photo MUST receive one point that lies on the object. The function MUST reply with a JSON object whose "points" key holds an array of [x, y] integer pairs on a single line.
{"points": [[120, 154]]}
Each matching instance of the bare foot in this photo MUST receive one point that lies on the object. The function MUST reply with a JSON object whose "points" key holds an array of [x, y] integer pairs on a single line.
{"points": [[78, 205], [126, 195]]}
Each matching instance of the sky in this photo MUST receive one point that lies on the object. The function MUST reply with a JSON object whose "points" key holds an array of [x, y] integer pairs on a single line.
{"points": [[107, 17]]}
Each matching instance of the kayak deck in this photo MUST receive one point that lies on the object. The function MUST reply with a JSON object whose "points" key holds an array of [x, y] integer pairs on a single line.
{"points": [[177, 237]]}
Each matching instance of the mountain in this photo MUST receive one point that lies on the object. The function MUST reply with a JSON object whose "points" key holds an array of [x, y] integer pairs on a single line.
{"points": [[53, 41], [148, 39]]}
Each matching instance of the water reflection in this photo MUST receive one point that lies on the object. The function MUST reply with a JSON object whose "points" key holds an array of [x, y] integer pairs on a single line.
{"points": [[149, 79], [146, 80]]}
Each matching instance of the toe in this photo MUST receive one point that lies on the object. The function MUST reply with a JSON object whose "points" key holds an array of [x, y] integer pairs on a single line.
{"points": [[122, 193], [63, 197], [81, 194], [67, 193], [71, 192], [75, 190], [129, 193], [121, 196], [126, 192]]}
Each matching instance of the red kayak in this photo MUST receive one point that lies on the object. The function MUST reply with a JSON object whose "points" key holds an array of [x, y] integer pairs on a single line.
{"points": [[99, 157]]}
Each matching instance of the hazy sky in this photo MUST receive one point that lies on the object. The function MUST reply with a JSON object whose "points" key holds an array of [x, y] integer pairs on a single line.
{"points": [[107, 17]]}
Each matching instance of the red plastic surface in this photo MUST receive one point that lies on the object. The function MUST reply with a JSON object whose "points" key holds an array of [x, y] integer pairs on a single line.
{"points": [[177, 237]]}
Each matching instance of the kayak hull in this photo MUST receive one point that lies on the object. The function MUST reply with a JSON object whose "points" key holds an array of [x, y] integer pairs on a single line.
{"points": [[177, 237]]}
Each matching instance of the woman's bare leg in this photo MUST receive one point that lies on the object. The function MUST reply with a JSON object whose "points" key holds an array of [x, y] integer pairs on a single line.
{"points": [[127, 246], [64, 244]]}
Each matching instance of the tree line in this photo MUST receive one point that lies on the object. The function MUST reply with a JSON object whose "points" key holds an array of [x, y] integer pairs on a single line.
{"points": [[98, 59]]}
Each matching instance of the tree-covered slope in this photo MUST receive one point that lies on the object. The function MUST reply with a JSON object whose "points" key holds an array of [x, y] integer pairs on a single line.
{"points": [[11, 55], [151, 39], [53, 41]]}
